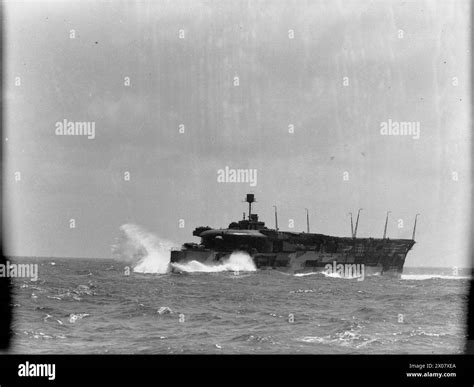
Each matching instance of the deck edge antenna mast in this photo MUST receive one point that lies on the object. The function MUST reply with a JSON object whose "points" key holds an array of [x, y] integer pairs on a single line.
{"points": [[385, 228], [357, 222]]}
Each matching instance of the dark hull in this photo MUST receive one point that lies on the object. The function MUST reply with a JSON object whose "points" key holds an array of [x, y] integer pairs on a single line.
{"points": [[296, 252], [379, 257]]}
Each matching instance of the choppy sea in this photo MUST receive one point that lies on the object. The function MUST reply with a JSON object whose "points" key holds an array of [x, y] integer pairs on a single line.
{"points": [[139, 303], [91, 306]]}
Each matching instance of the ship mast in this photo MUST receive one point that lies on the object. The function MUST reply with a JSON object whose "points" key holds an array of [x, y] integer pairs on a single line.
{"points": [[352, 225], [250, 199], [357, 222], [414, 227], [307, 220], [385, 228], [276, 217]]}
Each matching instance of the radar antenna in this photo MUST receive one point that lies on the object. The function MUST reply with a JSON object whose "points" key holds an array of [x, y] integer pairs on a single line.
{"points": [[250, 199]]}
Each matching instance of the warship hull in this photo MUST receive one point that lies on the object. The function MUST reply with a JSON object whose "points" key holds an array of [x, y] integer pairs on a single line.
{"points": [[378, 257], [296, 252]]}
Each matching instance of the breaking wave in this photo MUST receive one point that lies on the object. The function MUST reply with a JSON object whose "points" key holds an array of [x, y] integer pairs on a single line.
{"points": [[149, 254], [238, 261], [306, 274], [330, 275], [143, 250], [431, 276], [353, 336], [337, 275]]}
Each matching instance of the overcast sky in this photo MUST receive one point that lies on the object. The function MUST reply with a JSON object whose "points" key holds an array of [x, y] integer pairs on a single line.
{"points": [[333, 70]]}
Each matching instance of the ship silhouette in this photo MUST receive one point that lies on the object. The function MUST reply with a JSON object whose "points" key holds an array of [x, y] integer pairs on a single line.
{"points": [[295, 252]]}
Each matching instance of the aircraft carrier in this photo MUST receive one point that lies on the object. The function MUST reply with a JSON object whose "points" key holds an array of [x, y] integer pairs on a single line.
{"points": [[296, 252]]}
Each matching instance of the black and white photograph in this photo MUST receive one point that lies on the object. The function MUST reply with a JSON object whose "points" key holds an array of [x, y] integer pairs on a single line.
{"points": [[253, 177]]}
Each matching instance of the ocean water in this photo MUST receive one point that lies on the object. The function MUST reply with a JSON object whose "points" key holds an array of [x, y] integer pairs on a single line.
{"points": [[139, 303], [91, 306]]}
